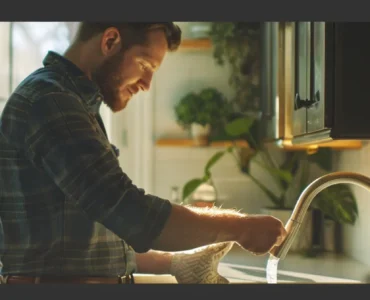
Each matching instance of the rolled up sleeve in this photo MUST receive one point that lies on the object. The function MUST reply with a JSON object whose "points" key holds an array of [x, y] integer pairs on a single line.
{"points": [[63, 139]]}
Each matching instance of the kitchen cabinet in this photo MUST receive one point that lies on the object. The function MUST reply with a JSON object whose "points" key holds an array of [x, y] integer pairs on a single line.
{"points": [[317, 82], [302, 76], [314, 63]]}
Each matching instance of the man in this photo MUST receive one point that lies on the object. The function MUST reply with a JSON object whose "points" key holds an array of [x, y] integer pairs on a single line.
{"points": [[68, 213]]}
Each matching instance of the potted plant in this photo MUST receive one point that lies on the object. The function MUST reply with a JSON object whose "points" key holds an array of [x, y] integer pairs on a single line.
{"points": [[238, 45], [201, 113], [336, 202]]}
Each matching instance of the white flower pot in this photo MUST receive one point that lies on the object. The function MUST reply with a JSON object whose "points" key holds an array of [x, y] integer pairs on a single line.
{"points": [[329, 235], [200, 134], [303, 240], [204, 196]]}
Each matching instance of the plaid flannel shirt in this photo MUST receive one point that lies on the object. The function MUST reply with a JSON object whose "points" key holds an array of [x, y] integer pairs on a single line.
{"points": [[66, 206]]}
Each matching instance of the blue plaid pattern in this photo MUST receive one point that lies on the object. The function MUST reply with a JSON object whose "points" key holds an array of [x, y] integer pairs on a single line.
{"points": [[66, 206]]}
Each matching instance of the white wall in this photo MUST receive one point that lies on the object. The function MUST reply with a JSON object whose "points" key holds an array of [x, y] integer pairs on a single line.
{"points": [[174, 167], [357, 237]]}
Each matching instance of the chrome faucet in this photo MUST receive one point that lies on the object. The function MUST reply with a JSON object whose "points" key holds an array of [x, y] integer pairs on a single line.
{"points": [[305, 199]]}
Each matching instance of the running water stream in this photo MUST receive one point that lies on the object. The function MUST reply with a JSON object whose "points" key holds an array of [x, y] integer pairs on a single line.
{"points": [[271, 269]]}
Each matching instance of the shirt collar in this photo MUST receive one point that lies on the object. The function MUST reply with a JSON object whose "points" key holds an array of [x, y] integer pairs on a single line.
{"points": [[86, 88]]}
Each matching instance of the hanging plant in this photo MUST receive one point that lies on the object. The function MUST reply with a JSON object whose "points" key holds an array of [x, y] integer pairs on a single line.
{"points": [[238, 44]]}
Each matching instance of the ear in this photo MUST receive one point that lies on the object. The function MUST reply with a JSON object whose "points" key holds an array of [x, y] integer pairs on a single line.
{"points": [[110, 42]]}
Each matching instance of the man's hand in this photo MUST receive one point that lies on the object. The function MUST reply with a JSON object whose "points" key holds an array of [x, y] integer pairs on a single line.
{"points": [[261, 234], [200, 265]]}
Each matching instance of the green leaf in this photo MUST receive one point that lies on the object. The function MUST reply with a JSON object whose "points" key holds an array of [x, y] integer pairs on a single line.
{"points": [[346, 213], [239, 126], [323, 157], [191, 186], [282, 174], [338, 202], [215, 158], [292, 161]]}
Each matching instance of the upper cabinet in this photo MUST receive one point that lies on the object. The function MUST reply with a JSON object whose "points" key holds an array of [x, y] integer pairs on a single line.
{"points": [[316, 83], [313, 68]]}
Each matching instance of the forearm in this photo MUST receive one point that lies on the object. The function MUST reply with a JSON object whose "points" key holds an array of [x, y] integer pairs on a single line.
{"points": [[154, 262], [190, 227]]}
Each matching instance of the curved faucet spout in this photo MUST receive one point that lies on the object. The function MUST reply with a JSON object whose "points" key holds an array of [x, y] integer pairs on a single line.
{"points": [[305, 199]]}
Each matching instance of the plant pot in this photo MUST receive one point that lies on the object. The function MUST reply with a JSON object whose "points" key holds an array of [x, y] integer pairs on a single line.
{"points": [[303, 240], [329, 235], [199, 203], [332, 236], [204, 196], [200, 134]]}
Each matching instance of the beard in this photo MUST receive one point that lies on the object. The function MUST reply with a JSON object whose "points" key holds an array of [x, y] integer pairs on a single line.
{"points": [[108, 78]]}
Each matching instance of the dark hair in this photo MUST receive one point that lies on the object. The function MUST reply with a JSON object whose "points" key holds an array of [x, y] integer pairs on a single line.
{"points": [[133, 32]]}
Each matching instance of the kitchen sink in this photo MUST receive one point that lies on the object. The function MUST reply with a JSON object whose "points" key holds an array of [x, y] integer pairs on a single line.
{"points": [[236, 273]]}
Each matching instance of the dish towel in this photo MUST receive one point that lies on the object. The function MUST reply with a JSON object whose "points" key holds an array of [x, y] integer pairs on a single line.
{"points": [[200, 265]]}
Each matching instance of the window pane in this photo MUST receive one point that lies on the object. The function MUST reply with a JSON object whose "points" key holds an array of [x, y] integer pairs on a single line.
{"points": [[4, 61], [32, 41]]}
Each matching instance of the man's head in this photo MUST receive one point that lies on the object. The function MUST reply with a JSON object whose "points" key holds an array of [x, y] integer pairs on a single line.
{"points": [[128, 55]]}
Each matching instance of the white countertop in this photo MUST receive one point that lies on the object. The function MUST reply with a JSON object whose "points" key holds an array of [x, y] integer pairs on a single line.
{"points": [[239, 266]]}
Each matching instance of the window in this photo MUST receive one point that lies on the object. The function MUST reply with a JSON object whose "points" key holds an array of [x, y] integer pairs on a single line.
{"points": [[32, 41], [25, 45], [5, 66]]}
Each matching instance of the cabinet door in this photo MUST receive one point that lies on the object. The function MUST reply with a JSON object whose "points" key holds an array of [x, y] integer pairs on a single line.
{"points": [[269, 79], [316, 111], [302, 76]]}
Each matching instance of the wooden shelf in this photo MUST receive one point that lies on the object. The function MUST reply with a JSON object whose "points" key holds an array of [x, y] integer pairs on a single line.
{"points": [[190, 143], [335, 144], [195, 44]]}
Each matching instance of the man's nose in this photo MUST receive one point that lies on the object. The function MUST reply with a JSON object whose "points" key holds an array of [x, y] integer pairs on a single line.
{"points": [[146, 81]]}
